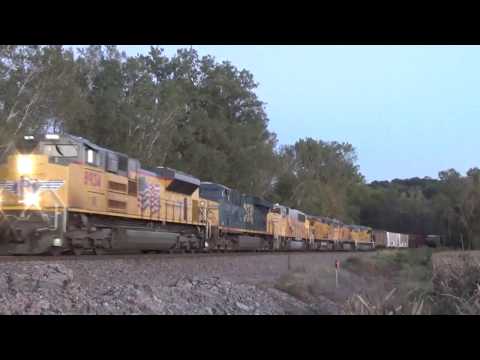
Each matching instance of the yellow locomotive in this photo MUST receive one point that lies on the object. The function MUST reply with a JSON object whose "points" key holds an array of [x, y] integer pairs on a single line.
{"points": [[289, 228], [64, 193]]}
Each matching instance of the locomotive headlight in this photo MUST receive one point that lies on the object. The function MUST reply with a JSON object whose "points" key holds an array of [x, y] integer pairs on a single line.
{"points": [[32, 199], [24, 165]]}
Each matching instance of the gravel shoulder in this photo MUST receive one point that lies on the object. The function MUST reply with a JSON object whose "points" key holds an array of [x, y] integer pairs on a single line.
{"points": [[246, 284]]}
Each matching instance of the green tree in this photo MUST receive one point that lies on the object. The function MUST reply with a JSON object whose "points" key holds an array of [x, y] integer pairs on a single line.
{"points": [[37, 89], [318, 177]]}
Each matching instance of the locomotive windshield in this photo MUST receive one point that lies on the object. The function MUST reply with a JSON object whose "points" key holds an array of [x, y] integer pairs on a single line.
{"points": [[26, 145], [69, 151]]}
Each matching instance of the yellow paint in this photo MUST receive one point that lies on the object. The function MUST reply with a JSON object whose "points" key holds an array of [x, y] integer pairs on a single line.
{"points": [[361, 236], [89, 189], [321, 229]]}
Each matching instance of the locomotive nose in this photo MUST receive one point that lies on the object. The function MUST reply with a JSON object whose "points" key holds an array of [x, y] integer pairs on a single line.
{"points": [[24, 165]]}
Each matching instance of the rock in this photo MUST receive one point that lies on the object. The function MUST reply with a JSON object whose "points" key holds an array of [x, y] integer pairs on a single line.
{"points": [[3, 283], [18, 281], [184, 284], [209, 311], [242, 306], [43, 304], [126, 286]]}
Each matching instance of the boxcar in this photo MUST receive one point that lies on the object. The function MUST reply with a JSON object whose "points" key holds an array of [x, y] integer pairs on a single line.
{"points": [[403, 241], [433, 240], [386, 239], [416, 241], [380, 238]]}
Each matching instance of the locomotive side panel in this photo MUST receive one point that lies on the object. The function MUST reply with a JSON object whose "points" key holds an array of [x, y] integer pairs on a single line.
{"points": [[86, 188], [345, 233], [237, 212], [297, 225]]}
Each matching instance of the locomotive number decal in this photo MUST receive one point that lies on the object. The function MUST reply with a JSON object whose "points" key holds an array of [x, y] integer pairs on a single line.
{"points": [[248, 213], [92, 179]]}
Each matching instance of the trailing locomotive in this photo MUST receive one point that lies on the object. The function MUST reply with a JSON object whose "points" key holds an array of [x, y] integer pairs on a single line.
{"points": [[64, 194], [239, 221]]}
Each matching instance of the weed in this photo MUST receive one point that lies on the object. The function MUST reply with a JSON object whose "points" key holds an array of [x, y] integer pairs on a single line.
{"points": [[457, 287]]}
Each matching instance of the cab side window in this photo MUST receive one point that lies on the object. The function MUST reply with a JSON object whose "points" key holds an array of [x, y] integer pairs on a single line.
{"points": [[112, 162], [91, 156], [123, 163]]}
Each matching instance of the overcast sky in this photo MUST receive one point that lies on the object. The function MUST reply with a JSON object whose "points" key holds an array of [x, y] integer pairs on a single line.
{"points": [[408, 110]]}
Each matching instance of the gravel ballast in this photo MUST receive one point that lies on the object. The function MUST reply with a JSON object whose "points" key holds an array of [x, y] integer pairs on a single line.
{"points": [[156, 285]]}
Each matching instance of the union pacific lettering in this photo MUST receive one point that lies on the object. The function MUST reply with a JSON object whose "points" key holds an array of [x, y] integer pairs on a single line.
{"points": [[92, 179]]}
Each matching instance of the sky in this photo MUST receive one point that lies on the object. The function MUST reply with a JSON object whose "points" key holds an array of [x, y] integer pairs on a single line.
{"points": [[408, 110]]}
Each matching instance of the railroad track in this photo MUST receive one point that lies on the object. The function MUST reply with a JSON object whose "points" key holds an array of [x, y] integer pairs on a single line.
{"points": [[118, 256]]}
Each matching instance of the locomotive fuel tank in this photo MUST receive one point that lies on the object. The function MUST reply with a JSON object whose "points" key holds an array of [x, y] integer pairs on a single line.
{"points": [[249, 243], [296, 245]]}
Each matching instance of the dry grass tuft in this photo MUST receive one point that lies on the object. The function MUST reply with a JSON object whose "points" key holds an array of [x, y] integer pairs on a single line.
{"points": [[388, 305], [457, 287]]}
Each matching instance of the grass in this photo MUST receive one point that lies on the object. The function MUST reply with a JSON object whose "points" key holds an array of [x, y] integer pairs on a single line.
{"points": [[406, 278], [296, 283], [318, 286], [424, 284], [457, 286], [394, 282], [388, 305]]}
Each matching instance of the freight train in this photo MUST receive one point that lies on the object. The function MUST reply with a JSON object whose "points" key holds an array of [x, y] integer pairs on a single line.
{"points": [[62, 194]]}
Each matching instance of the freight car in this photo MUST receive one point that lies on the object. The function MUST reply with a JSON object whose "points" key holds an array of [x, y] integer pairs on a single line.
{"points": [[386, 239], [433, 240], [416, 241]]}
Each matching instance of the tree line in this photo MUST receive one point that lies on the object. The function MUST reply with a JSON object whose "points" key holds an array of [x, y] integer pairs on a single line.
{"points": [[203, 117]]}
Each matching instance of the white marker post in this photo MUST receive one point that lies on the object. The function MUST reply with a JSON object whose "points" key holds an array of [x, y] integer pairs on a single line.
{"points": [[337, 267]]}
